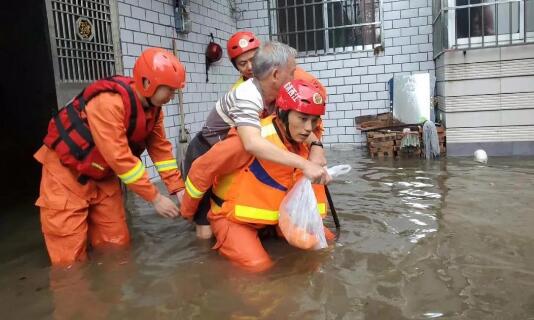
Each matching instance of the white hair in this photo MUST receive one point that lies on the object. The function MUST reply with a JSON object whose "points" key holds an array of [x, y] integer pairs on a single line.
{"points": [[270, 55]]}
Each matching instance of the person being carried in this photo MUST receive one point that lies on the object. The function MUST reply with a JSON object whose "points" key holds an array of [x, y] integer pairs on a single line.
{"points": [[247, 190], [273, 64], [99, 136]]}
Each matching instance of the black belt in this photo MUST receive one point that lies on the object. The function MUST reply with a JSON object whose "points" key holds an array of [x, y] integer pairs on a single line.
{"points": [[218, 201], [203, 140]]}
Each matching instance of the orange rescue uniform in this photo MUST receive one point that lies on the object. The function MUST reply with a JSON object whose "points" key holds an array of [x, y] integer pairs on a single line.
{"points": [[73, 213], [246, 194]]}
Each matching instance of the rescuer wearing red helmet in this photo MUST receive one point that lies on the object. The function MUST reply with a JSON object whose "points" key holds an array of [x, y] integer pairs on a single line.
{"points": [[247, 191], [273, 65], [99, 136], [241, 48]]}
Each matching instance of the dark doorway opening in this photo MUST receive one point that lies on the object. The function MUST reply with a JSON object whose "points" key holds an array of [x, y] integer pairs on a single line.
{"points": [[28, 94]]}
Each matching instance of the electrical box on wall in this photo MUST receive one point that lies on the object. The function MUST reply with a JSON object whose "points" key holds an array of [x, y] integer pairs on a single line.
{"points": [[182, 22]]}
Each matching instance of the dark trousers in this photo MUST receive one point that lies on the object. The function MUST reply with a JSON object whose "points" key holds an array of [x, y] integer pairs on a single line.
{"points": [[197, 147]]}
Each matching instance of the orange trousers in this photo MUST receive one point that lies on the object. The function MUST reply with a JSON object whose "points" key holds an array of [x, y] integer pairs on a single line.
{"points": [[75, 215], [240, 243]]}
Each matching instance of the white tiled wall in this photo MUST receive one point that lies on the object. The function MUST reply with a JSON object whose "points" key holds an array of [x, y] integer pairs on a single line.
{"points": [[357, 81], [145, 23]]}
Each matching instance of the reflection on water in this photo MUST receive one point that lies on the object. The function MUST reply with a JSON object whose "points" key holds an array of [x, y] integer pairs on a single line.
{"points": [[445, 239]]}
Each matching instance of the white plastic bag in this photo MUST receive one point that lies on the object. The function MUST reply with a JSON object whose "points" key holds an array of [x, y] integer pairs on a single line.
{"points": [[338, 170], [299, 219]]}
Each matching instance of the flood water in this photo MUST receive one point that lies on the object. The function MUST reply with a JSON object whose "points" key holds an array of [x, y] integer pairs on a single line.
{"points": [[449, 239]]}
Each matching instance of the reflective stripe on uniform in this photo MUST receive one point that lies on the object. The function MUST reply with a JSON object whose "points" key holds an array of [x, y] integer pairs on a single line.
{"points": [[192, 191], [256, 213], [134, 174], [268, 130], [238, 82], [321, 207], [166, 165]]}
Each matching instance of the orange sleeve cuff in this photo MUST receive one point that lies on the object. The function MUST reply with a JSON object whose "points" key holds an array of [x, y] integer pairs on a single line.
{"points": [[145, 189], [189, 206], [173, 180]]}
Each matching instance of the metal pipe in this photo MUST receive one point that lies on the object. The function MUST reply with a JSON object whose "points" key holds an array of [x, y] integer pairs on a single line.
{"points": [[90, 55], [325, 22], [286, 13], [469, 27], [332, 23], [496, 24], [269, 19], [525, 24], [73, 66], [296, 25], [380, 17], [353, 30], [314, 32], [483, 31], [343, 35], [57, 41], [306, 29], [340, 27], [510, 20], [96, 44], [455, 33], [480, 4], [76, 44]]}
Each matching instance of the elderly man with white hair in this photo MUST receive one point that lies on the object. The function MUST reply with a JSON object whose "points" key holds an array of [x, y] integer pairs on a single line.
{"points": [[273, 65]]}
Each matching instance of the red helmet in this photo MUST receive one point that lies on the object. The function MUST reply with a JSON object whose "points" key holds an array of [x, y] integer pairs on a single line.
{"points": [[300, 74], [213, 52], [241, 42], [301, 96], [159, 67]]}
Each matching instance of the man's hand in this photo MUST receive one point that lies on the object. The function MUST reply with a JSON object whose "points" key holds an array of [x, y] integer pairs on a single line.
{"points": [[166, 207], [316, 173], [317, 155], [180, 196]]}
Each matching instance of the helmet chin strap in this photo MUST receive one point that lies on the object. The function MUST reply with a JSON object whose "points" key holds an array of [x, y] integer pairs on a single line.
{"points": [[149, 102], [284, 116], [288, 134]]}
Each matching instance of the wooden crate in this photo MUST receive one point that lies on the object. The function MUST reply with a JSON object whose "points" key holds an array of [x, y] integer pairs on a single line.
{"points": [[376, 122], [403, 153], [382, 153], [381, 144], [380, 136], [384, 144]]}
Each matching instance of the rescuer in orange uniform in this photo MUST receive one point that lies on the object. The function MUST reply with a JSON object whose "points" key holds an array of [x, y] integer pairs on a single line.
{"points": [[242, 107], [247, 191], [100, 135], [241, 48]]}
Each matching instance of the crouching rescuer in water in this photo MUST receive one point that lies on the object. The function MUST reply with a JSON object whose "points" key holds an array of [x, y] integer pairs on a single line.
{"points": [[99, 136], [247, 192]]}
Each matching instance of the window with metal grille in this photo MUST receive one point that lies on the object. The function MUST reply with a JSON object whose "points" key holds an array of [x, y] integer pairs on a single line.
{"points": [[83, 39], [328, 26], [463, 24]]}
